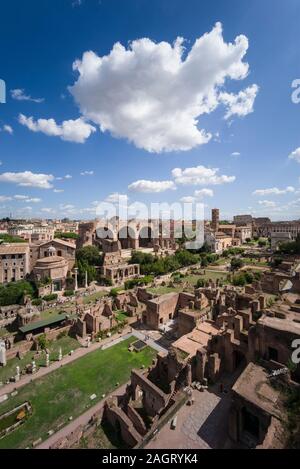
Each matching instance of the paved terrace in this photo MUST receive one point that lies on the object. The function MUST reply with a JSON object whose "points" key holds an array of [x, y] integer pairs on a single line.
{"points": [[200, 426]]}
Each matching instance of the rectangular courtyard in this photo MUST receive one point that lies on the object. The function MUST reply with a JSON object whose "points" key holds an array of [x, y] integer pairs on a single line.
{"points": [[66, 392]]}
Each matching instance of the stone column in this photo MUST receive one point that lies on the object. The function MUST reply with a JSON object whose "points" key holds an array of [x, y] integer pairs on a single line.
{"points": [[17, 377], [86, 279], [60, 355], [47, 359], [2, 353], [76, 278]]}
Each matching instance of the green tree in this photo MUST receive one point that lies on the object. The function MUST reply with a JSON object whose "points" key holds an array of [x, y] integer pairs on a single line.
{"points": [[42, 341], [6, 238], [90, 255], [236, 263], [14, 292], [68, 235], [292, 247], [200, 283]]}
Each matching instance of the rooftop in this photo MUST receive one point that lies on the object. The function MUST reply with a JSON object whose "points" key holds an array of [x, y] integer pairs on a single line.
{"points": [[15, 248], [254, 386], [50, 260], [285, 324], [44, 323], [165, 297], [196, 339], [60, 241]]}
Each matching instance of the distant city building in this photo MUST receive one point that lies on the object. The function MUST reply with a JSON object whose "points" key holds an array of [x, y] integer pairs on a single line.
{"points": [[220, 236], [215, 219], [243, 233], [242, 219], [32, 232], [14, 262], [290, 227], [278, 238]]}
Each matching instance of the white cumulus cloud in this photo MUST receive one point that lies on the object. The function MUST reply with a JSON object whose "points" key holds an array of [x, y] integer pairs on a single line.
{"points": [[200, 176], [8, 129], [77, 131], [33, 200], [26, 198], [20, 95], [189, 199], [198, 195], [204, 193], [151, 186], [295, 155], [87, 173], [274, 191], [240, 104], [267, 203], [47, 210], [28, 179], [153, 94]]}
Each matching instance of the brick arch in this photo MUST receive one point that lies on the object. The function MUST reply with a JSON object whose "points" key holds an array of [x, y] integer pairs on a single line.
{"points": [[127, 237], [146, 236]]}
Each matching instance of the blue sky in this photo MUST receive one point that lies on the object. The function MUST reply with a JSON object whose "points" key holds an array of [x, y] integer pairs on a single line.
{"points": [[150, 104]]}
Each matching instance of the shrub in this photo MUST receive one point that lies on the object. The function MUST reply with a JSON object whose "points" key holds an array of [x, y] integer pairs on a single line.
{"points": [[277, 261], [45, 281], [257, 275], [42, 341], [105, 281], [37, 302], [262, 242], [243, 278], [114, 292], [200, 283], [236, 263], [69, 293], [51, 297], [62, 334], [135, 282], [239, 280], [68, 235]]}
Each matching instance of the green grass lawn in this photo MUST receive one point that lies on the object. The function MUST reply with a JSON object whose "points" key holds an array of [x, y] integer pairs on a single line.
{"points": [[162, 290], [50, 313], [214, 275], [66, 392], [66, 343], [121, 316], [3, 332], [222, 261], [104, 437], [94, 297], [191, 279], [254, 262]]}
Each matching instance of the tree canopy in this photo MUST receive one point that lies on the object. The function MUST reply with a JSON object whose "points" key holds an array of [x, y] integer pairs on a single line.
{"points": [[292, 247], [14, 292]]}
